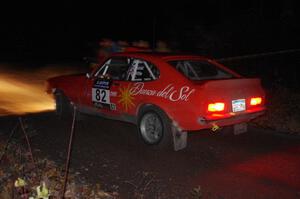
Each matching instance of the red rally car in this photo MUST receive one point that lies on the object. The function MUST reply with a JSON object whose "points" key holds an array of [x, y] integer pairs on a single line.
{"points": [[165, 95]]}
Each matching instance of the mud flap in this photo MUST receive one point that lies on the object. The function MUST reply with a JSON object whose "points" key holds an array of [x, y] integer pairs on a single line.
{"points": [[179, 139], [240, 128]]}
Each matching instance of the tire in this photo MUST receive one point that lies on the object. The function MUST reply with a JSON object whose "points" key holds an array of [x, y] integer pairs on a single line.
{"points": [[62, 105], [154, 127]]}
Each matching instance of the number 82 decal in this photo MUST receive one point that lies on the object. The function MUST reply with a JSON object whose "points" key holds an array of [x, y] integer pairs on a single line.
{"points": [[100, 95]]}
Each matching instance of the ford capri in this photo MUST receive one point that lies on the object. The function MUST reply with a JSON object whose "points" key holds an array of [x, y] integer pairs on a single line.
{"points": [[165, 95]]}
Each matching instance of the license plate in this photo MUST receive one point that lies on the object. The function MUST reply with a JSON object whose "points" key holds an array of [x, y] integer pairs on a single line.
{"points": [[238, 105]]}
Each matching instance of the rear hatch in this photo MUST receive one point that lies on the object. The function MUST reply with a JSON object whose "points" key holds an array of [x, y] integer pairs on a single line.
{"points": [[230, 97]]}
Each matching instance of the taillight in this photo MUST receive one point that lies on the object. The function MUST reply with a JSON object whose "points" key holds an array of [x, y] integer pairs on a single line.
{"points": [[216, 107], [255, 101]]}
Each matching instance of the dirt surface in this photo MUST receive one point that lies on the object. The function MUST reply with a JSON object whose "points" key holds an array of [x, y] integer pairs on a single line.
{"points": [[257, 164]]}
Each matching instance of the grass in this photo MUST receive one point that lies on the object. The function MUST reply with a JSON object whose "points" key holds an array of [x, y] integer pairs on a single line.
{"points": [[283, 111]]}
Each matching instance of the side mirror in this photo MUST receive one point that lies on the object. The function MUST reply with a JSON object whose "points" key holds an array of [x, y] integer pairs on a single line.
{"points": [[88, 75]]}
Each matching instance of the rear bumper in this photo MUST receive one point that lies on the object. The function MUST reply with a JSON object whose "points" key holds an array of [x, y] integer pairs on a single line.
{"points": [[206, 124]]}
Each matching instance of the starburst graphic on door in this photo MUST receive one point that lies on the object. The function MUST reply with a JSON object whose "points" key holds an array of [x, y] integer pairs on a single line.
{"points": [[126, 98]]}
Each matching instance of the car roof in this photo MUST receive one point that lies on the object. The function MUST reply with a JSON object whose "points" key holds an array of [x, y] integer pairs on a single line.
{"points": [[160, 55]]}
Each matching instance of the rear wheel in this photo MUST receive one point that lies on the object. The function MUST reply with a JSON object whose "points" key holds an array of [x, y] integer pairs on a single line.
{"points": [[154, 127]]}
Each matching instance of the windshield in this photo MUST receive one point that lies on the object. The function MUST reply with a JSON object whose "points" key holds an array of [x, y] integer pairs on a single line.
{"points": [[200, 70]]}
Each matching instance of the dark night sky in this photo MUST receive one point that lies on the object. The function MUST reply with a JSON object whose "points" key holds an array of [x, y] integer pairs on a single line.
{"points": [[66, 28]]}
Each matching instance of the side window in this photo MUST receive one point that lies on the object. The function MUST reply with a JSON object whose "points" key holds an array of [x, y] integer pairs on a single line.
{"points": [[200, 70], [116, 68], [140, 70]]}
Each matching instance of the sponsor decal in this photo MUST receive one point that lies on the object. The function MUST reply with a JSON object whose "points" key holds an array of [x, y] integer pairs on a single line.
{"points": [[169, 92], [126, 97], [101, 93], [113, 107], [113, 94], [100, 83]]}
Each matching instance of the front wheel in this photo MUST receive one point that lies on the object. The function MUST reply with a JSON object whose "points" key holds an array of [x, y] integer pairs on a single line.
{"points": [[154, 127], [62, 105]]}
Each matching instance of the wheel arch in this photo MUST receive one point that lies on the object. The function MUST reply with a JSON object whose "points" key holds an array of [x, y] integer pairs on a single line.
{"points": [[143, 106], [165, 140], [60, 91]]}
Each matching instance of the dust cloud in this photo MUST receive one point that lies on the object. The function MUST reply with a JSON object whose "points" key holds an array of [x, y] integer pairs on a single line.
{"points": [[22, 90]]}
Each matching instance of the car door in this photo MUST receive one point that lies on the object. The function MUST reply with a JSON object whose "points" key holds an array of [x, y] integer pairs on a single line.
{"points": [[103, 87], [119, 86], [138, 87]]}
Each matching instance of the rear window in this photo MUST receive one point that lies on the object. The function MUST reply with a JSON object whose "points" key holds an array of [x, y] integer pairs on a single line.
{"points": [[199, 70]]}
